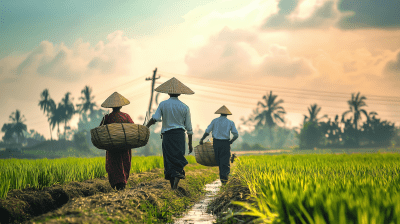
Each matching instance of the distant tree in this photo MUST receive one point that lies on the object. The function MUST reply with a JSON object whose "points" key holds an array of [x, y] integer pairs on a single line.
{"points": [[56, 117], [80, 142], [67, 110], [46, 103], [356, 103], [310, 135], [332, 131], [313, 111], [380, 133], [87, 102], [272, 111], [8, 130], [18, 124], [350, 133]]}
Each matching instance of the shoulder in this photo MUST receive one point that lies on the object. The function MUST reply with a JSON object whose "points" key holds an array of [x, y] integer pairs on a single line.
{"points": [[232, 122], [183, 105]]}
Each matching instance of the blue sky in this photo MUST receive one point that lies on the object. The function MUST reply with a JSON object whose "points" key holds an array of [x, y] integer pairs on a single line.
{"points": [[313, 45], [26, 23]]}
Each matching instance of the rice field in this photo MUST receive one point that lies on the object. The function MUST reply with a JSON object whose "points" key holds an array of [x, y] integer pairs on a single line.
{"points": [[23, 173], [357, 188]]}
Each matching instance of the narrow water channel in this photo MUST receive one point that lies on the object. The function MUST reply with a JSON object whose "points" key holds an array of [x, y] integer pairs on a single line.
{"points": [[198, 212]]}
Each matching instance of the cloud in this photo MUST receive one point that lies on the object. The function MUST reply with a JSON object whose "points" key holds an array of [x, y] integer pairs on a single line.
{"points": [[392, 69], [234, 54], [303, 14], [394, 65], [71, 63]]}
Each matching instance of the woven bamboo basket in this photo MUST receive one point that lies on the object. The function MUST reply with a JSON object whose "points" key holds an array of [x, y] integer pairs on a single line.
{"points": [[205, 155], [120, 136]]}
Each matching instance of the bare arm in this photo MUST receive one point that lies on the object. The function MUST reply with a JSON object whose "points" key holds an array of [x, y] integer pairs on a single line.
{"points": [[190, 143], [151, 122], [202, 138]]}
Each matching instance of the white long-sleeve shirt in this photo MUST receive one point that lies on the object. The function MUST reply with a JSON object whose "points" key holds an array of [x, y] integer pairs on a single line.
{"points": [[221, 128], [175, 114]]}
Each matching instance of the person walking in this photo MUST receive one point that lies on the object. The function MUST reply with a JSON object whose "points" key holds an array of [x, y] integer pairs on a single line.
{"points": [[118, 163], [175, 119], [221, 128]]}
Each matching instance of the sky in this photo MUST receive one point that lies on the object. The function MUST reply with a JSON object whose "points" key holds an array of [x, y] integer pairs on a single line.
{"points": [[229, 52]]}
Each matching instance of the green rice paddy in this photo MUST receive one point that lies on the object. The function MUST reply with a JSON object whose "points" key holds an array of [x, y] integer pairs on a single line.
{"points": [[358, 188], [23, 173]]}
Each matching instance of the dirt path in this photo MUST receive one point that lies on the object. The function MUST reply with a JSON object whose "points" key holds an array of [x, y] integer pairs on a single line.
{"points": [[148, 198]]}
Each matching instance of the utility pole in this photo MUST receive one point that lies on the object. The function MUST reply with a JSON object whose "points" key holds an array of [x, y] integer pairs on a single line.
{"points": [[153, 80]]}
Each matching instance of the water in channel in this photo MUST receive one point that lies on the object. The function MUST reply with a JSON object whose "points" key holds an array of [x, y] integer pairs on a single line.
{"points": [[198, 212]]}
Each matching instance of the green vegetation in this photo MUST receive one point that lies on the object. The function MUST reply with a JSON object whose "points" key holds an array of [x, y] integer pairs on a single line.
{"points": [[22, 173], [358, 188]]}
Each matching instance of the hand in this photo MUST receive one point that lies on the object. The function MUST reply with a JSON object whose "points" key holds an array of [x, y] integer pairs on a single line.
{"points": [[190, 148], [201, 142], [230, 142]]}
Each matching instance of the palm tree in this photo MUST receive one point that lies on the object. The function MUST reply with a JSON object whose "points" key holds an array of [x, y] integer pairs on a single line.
{"points": [[55, 117], [313, 111], [18, 124], [67, 110], [355, 105], [87, 101], [272, 111], [46, 103], [8, 130]]}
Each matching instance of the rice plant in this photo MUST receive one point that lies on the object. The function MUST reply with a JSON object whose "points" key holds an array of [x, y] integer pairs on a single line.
{"points": [[360, 188], [23, 173]]}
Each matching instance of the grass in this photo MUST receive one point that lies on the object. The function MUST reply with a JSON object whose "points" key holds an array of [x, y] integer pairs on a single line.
{"points": [[357, 188], [23, 173], [70, 152]]}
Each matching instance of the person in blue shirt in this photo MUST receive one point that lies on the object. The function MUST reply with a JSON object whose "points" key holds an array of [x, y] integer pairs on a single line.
{"points": [[221, 128], [175, 120]]}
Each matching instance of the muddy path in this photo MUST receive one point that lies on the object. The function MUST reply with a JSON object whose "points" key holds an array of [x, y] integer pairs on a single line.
{"points": [[148, 198]]}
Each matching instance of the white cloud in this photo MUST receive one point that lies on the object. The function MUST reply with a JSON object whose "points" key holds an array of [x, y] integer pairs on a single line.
{"points": [[233, 55], [305, 9]]}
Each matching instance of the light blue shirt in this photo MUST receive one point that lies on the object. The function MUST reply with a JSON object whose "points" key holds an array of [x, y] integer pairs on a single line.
{"points": [[221, 128], [175, 114]]}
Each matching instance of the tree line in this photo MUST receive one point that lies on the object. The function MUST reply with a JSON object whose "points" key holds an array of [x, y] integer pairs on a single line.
{"points": [[345, 131], [58, 114], [266, 126]]}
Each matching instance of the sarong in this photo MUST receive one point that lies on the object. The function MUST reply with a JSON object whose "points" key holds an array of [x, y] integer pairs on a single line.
{"points": [[173, 148], [222, 150], [118, 166]]}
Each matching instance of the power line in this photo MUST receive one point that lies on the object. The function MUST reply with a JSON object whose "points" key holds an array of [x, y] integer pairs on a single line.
{"points": [[257, 87], [225, 87], [258, 99]]}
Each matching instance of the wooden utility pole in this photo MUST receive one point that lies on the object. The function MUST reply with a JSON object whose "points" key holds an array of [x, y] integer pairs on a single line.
{"points": [[153, 80]]}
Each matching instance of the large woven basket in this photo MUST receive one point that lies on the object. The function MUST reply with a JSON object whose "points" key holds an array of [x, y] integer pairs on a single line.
{"points": [[120, 136], [205, 155]]}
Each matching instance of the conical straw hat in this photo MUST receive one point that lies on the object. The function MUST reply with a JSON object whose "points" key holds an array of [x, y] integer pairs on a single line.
{"points": [[115, 100], [174, 86], [223, 110]]}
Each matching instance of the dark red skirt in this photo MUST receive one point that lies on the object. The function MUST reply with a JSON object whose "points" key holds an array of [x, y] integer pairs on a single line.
{"points": [[118, 166]]}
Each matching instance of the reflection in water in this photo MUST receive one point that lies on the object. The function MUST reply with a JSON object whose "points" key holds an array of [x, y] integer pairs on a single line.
{"points": [[198, 212]]}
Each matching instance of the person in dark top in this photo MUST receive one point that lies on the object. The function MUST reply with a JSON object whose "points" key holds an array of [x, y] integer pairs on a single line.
{"points": [[118, 164]]}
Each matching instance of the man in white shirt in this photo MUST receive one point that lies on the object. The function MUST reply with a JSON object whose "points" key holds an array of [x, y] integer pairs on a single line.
{"points": [[221, 128], [175, 120]]}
